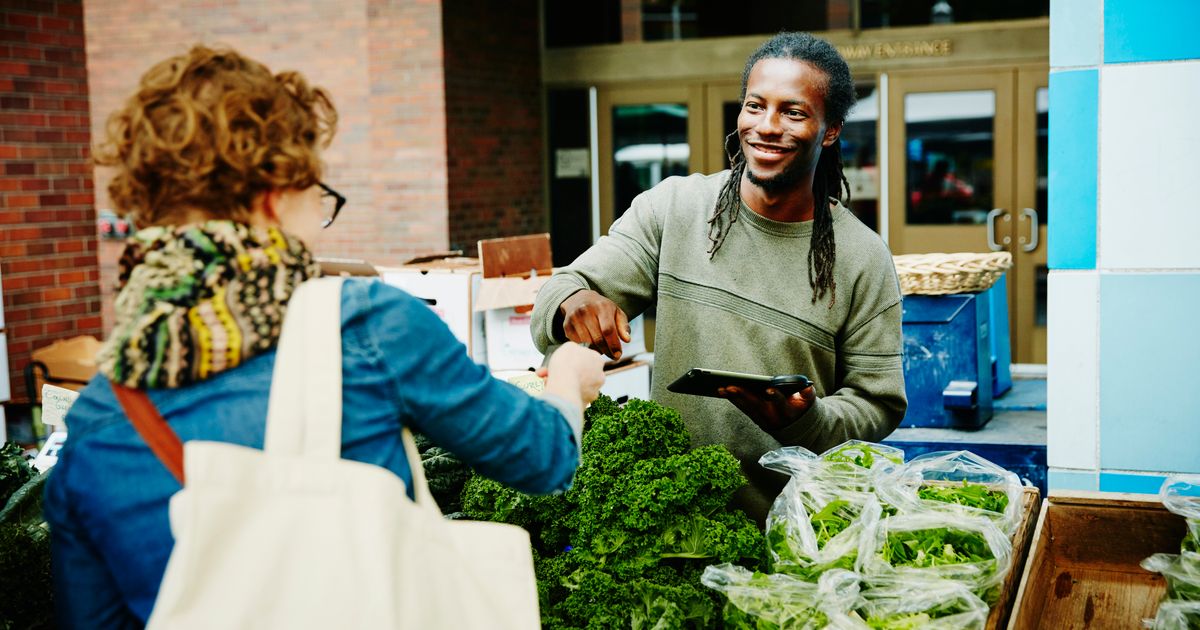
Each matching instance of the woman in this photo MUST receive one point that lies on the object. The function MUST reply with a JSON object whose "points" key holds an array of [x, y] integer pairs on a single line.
{"points": [[217, 159]]}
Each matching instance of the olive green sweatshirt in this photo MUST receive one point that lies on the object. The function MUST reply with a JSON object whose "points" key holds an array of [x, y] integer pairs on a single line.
{"points": [[749, 309]]}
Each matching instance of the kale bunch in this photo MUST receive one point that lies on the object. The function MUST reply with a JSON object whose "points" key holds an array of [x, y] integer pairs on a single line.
{"points": [[445, 473], [15, 470], [27, 600], [626, 545]]}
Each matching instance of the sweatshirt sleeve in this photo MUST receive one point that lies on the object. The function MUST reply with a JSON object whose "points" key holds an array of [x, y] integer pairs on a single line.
{"points": [[870, 401], [528, 443], [622, 266]]}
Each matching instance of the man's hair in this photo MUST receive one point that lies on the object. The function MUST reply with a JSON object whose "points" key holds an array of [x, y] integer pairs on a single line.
{"points": [[829, 181], [209, 130]]}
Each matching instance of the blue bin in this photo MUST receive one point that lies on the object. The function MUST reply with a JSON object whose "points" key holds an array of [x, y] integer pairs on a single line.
{"points": [[1001, 350], [948, 360]]}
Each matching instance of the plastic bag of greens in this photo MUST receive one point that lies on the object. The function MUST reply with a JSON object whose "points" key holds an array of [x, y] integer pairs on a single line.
{"points": [[757, 601], [939, 542], [1174, 615], [960, 478], [1182, 572], [852, 465], [1181, 495], [889, 603], [811, 530]]}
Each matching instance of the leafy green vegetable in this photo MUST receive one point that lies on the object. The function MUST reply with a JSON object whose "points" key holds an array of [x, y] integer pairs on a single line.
{"points": [[15, 470], [934, 547], [25, 581], [624, 547], [968, 494], [861, 454], [1191, 542]]}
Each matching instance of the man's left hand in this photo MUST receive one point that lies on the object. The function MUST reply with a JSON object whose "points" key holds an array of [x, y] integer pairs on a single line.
{"points": [[772, 411]]}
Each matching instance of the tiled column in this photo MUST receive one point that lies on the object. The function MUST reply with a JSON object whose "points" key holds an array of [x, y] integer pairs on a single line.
{"points": [[1124, 409]]}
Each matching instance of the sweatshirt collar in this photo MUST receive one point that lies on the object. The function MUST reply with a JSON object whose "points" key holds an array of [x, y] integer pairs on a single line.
{"points": [[789, 229]]}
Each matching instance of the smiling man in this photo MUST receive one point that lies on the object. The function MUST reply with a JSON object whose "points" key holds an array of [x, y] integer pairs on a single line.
{"points": [[757, 269]]}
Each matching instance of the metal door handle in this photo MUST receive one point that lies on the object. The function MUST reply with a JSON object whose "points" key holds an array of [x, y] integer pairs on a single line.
{"points": [[1033, 229], [991, 230]]}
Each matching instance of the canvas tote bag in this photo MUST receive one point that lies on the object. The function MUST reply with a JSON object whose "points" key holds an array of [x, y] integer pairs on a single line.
{"points": [[293, 536]]}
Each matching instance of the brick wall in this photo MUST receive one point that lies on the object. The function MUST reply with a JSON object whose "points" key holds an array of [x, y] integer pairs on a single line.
{"points": [[380, 59], [493, 120], [47, 220]]}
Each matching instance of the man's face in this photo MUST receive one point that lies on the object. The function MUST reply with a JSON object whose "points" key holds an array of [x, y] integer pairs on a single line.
{"points": [[782, 123]]}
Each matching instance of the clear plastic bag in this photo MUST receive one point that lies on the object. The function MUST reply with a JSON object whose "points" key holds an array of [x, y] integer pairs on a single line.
{"points": [[1181, 495], [758, 601], [1174, 615], [939, 542], [853, 465], [889, 603], [812, 529], [960, 478], [1182, 572]]}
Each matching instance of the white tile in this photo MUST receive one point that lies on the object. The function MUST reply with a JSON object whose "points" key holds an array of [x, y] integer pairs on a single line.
{"points": [[1149, 165], [5, 390], [1072, 395]]}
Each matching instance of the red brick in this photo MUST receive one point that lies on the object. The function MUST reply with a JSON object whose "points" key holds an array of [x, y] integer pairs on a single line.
{"points": [[20, 201], [35, 184], [60, 87], [34, 152], [14, 68], [57, 24], [27, 330], [53, 199], [50, 72], [71, 277], [56, 294], [59, 326], [52, 168], [15, 119], [66, 247], [26, 52], [9, 103], [8, 152], [74, 308], [79, 198], [20, 20], [49, 136], [46, 280], [11, 250]]}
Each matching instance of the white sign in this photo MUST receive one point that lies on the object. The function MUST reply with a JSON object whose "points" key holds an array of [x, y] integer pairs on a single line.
{"points": [[572, 163], [56, 402]]}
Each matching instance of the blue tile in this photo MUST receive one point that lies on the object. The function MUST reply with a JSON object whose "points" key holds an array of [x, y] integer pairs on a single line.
{"points": [[1074, 33], [1163, 30], [1074, 99], [1149, 363], [1072, 480], [1124, 482]]}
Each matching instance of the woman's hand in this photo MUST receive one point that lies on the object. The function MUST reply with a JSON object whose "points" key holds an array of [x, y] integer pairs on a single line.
{"points": [[772, 411], [575, 373]]}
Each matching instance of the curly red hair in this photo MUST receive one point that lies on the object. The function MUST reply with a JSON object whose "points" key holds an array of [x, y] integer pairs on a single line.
{"points": [[209, 130]]}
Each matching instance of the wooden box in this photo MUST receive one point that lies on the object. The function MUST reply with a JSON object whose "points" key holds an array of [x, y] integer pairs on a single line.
{"points": [[1022, 537], [1083, 569]]}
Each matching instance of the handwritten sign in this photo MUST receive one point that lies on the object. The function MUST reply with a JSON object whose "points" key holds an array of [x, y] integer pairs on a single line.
{"points": [[56, 402]]}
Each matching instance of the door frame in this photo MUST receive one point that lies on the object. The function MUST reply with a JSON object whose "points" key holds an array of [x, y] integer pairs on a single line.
{"points": [[1029, 347]]}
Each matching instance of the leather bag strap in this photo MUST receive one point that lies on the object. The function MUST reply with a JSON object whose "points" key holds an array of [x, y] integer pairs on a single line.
{"points": [[159, 436]]}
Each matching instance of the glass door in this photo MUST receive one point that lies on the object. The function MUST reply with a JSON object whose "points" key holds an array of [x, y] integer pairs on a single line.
{"points": [[645, 136], [967, 153]]}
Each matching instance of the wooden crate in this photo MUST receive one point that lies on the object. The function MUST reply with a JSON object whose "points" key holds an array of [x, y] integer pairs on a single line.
{"points": [[998, 617], [1083, 568]]}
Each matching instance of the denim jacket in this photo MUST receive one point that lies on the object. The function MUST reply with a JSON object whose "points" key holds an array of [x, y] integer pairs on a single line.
{"points": [[106, 499]]}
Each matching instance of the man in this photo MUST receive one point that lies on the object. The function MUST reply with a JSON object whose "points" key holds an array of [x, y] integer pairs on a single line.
{"points": [[758, 269]]}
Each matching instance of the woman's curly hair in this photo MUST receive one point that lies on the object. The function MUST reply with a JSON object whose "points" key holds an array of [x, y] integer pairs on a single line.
{"points": [[210, 130]]}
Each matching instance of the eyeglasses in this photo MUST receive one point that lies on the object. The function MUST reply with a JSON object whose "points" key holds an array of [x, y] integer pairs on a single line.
{"points": [[331, 203]]}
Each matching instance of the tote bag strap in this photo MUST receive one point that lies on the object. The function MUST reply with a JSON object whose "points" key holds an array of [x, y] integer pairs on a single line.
{"points": [[304, 412], [162, 440]]}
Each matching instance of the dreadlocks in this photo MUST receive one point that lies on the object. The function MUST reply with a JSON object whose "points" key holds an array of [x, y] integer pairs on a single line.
{"points": [[828, 182]]}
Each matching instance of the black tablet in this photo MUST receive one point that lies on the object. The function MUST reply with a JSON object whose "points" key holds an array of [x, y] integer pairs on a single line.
{"points": [[705, 382]]}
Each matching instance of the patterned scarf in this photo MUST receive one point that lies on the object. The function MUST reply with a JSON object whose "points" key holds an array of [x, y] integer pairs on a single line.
{"points": [[199, 299]]}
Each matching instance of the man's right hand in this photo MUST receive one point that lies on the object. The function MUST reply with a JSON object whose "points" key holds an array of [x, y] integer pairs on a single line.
{"points": [[593, 319]]}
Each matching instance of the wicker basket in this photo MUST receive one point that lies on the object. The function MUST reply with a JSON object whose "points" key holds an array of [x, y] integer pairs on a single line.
{"points": [[940, 274]]}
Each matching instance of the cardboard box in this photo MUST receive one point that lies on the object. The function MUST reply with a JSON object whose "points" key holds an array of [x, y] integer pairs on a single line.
{"points": [[1084, 568], [70, 363], [450, 288]]}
